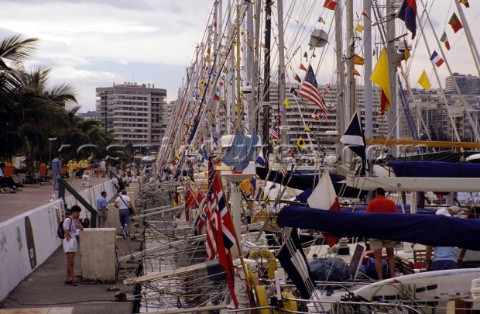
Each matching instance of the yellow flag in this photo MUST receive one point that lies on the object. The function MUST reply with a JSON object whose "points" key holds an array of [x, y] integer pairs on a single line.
{"points": [[300, 142], [381, 77], [359, 28], [177, 155], [407, 52], [307, 128], [424, 81], [286, 102]]}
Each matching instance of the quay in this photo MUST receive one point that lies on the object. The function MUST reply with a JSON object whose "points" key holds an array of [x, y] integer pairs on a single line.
{"points": [[43, 290]]}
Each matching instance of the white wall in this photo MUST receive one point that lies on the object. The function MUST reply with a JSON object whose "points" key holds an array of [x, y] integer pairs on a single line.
{"points": [[23, 249]]}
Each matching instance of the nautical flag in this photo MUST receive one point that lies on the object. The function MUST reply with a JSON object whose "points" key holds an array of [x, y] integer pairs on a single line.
{"points": [[455, 23], [359, 28], [274, 132], [315, 115], [424, 81], [435, 58], [302, 67], [222, 227], [199, 224], [325, 197], [321, 20], [444, 39], [300, 142], [381, 77], [354, 139], [294, 262], [406, 53], [465, 3], [309, 90], [216, 97], [330, 4], [307, 128], [260, 159], [297, 78], [293, 91], [408, 14], [305, 55], [355, 72], [286, 102], [357, 60], [366, 15]]}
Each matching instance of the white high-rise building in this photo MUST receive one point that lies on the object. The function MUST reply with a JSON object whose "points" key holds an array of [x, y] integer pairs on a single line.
{"points": [[136, 113]]}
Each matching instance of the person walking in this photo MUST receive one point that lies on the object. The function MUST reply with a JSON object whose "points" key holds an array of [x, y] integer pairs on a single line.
{"points": [[102, 209], [72, 228], [124, 205], [381, 204], [56, 171]]}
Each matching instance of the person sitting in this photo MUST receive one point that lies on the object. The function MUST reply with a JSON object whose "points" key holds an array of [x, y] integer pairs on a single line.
{"points": [[6, 181]]}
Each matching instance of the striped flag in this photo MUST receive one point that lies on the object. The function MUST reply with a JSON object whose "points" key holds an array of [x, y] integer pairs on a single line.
{"points": [[435, 58], [444, 39], [309, 90], [273, 132], [222, 227]]}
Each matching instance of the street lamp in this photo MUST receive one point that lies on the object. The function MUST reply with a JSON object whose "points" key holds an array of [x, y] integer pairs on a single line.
{"points": [[50, 139]]}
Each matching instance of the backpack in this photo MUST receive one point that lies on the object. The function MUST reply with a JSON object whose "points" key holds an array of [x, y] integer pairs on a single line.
{"points": [[61, 231]]}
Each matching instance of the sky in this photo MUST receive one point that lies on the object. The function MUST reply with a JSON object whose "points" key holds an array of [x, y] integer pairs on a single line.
{"points": [[95, 43]]}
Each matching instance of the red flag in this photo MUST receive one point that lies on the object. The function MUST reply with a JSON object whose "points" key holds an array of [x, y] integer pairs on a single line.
{"points": [[444, 39], [455, 23], [330, 4], [302, 67], [297, 78], [223, 225], [315, 115]]}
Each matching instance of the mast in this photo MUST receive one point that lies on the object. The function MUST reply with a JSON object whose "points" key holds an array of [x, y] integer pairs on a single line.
{"points": [[367, 40], [391, 52], [350, 87], [281, 73], [341, 118], [217, 40], [468, 33], [266, 77]]}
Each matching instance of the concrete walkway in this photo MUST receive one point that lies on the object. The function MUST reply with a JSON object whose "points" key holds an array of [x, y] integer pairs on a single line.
{"points": [[44, 290]]}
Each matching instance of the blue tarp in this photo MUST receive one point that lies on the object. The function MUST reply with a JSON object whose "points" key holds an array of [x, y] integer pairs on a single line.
{"points": [[435, 169], [433, 230]]}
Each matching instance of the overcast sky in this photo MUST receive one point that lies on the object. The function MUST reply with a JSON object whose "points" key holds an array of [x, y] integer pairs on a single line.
{"points": [[94, 43]]}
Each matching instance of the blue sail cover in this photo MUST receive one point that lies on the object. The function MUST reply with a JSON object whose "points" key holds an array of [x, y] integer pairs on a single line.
{"points": [[240, 153], [433, 230], [435, 169]]}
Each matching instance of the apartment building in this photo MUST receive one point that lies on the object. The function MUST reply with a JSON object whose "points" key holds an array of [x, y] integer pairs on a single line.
{"points": [[136, 113]]}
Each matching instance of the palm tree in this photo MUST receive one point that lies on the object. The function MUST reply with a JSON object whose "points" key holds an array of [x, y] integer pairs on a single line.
{"points": [[13, 50]]}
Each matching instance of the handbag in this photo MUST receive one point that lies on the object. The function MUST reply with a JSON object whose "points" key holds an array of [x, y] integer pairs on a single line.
{"points": [[130, 210]]}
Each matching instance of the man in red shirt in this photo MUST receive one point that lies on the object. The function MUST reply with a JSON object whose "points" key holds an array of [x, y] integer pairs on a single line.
{"points": [[381, 204]]}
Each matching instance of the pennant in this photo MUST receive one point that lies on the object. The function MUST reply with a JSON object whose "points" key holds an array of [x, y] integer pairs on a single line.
{"points": [[216, 97], [408, 14], [354, 139], [324, 197], [297, 78], [358, 60], [366, 15], [307, 128], [305, 55], [455, 23], [435, 58], [260, 159], [315, 115], [465, 3], [359, 28], [406, 52], [286, 102], [177, 155], [293, 260], [321, 20], [355, 72], [302, 67], [300, 142], [330, 4], [381, 77], [424, 81], [444, 39], [293, 91]]}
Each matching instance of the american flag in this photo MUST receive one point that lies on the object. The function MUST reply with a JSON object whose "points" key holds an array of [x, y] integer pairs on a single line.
{"points": [[220, 230], [309, 90], [274, 132]]}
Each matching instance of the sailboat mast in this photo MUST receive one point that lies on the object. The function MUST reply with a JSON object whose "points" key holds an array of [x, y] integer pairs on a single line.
{"points": [[281, 73], [350, 88], [367, 55], [341, 118], [266, 77], [239, 109], [391, 52], [468, 33]]}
